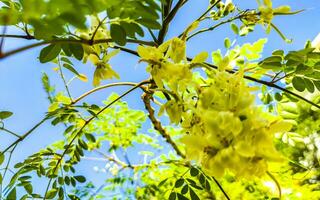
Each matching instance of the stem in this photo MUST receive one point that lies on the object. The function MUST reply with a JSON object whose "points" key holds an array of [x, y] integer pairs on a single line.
{"points": [[6, 168], [221, 188], [202, 17], [2, 39], [62, 41], [157, 125], [64, 80], [165, 25], [10, 132], [276, 182], [85, 124], [107, 86], [28, 37], [208, 10], [96, 30], [285, 76], [153, 36], [213, 27], [25, 135]]}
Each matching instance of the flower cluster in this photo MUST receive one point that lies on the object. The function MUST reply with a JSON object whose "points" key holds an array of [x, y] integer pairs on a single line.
{"points": [[228, 132], [225, 130]]}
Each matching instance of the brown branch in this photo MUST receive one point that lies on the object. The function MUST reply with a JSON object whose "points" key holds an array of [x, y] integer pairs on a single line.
{"points": [[166, 22], [27, 37], [61, 41], [146, 97]]}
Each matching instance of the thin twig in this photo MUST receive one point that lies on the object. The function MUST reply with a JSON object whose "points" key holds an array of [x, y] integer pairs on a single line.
{"points": [[10, 132], [213, 27], [221, 188], [98, 26], [7, 168], [25, 135], [146, 97], [208, 10], [64, 80], [2, 39], [285, 76], [62, 41], [183, 35], [106, 86], [276, 182], [153, 36], [165, 25]]}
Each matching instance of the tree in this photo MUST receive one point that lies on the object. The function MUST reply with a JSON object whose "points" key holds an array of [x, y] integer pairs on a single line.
{"points": [[203, 133]]}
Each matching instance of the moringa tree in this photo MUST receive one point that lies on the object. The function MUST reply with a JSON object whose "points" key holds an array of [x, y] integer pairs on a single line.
{"points": [[211, 137]]}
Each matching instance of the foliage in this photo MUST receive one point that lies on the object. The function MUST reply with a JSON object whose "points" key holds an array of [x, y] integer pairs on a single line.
{"points": [[203, 133]]}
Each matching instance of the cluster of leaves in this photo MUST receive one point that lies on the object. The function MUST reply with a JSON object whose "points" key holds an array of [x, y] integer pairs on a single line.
{"points": [[301, 66], [48, 19]]}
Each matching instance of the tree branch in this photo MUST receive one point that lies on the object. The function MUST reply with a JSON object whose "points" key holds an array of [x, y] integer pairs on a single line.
{"points": [[62, 41], [221, 188], [107, 86], [208, 10], [213, 27], [166, 22], [146, 97], [10, 132]]}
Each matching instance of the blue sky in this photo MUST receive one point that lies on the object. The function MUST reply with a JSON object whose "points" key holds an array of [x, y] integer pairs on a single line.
{"points": [[20, 75]]}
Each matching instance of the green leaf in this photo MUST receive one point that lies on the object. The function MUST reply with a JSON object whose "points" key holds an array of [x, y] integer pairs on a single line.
{"points": [[298, 83], [179, 183], [71, 68], [193, 195], [184, 189], [49, 53], [235, 28], [317, 84], [309, 85], [5, 114], [172, 196], [149, 23], [1, 158], [51, 193], [181, 197], [77, 51], [162, 182], [118, 34], [278, 53], [12, 195], [73, 197], [28, 188], [278, 96], [66, 49], [80, 179], [227, 43], [194, 171], [202, 179]]}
